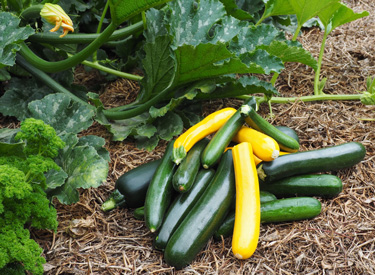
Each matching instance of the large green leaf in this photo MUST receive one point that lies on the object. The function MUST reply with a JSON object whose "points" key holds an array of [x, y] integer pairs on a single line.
{"points": [[337, 15], [19, 93], [85, 168], [306, 9], [62, 114], [123, 10], [277, 7], [11, 35], [243, 9]]}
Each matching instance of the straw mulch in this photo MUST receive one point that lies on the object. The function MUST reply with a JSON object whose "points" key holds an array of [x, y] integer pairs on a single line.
{"points": [[341, 240]]}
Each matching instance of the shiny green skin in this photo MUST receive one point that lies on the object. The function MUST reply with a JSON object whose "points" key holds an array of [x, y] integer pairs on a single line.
{"points": [[160, 190], [283, 210], [139, 213], [285, 142], [204, 218], [181, 206], [327, 159], [288, 131], [186, 172], [322, 185], [215, 148], [133, 184]]}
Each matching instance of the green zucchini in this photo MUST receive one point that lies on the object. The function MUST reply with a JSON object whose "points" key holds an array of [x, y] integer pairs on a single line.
{"points": [[131, 187], [204, 218], [282, 210], [215, 148], [139, 213], [160, 191], [325, 159], [181, 206], [186, 172], [323, 185], [266, 196], [288, 131], [285, 142]]}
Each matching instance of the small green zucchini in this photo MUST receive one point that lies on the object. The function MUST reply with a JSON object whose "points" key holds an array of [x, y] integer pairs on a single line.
{"points": [[181, 206], [131, 187], [282, 210], [322, 185], [215, 148], [288, 131], [325, 159], [139, 213], [160, 191], [204, 218], [257, 122], [186, 172]]}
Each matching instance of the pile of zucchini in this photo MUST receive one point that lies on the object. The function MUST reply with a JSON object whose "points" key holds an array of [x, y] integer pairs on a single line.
{"points": [[250, 172]]}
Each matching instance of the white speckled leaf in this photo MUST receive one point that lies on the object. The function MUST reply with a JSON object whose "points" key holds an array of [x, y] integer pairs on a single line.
{"points": [[62, 114], [10, 37]]}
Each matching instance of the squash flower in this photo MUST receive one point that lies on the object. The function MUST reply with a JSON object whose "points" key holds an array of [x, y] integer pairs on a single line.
{"points": [[55, 15]]}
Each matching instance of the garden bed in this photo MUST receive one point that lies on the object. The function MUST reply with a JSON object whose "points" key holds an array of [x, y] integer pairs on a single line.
{"points": [[339, 241]]}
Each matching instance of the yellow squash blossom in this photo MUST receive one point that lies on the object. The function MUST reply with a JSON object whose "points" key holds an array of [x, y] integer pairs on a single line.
{"points": [[55, 15]]}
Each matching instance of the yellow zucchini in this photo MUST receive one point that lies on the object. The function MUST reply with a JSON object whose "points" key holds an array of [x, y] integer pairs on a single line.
{"points": [[264, 146], [205, 127], [247, 212]]}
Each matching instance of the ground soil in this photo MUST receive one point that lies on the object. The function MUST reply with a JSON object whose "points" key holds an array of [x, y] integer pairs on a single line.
{"points": [[339, 241]]}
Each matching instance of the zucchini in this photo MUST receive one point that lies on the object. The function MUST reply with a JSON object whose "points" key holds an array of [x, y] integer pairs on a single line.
{"points": [[323, 185], [160, 190], [205, 127], [139, 213], [247, 221], [186, 172], [131, 187], [204, 218], [266, 196], [282, 210], [181, 206], [215, 148], [286, 142], [320, 160], [288, 131]]}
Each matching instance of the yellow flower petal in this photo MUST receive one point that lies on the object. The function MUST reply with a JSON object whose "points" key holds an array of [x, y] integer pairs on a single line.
{"points": [[55, 15]]}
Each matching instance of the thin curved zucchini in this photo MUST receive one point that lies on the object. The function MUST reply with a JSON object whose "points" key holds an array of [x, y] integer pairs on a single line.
{"points": [[247, 221], [186, 172], [181, 206], [131, 187], [159, 191], [288, 131], [216, 147], [210, 124], [264, 147], [282, 210], [204, 218], [325, 159], [322, 185], [257, 122]]}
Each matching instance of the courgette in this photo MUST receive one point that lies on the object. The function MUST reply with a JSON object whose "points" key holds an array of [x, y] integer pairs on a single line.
{"points": [[160, 190], [247, 219], [215, 148], [325, 159], [186, 172], [210, 124], [288, 131], [204, 218], [322, 185], [257, 122], [131, 187], [139, 213], [181, 206], [282, 210]]}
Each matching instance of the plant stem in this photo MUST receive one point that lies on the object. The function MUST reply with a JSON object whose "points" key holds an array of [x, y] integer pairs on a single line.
{"points": [[99, 29], [47, 80], [84, 38], [318, 91], [98, 66], [50, 67], [296, 32], [322, 97]]}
